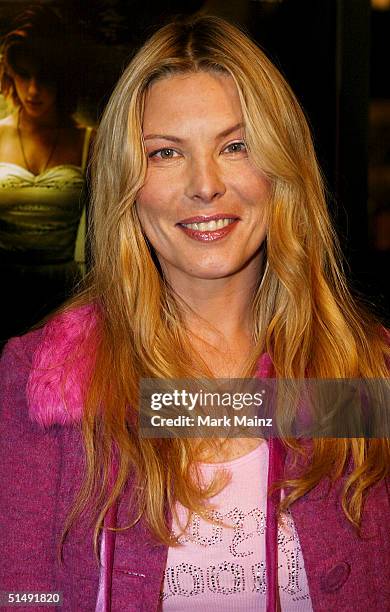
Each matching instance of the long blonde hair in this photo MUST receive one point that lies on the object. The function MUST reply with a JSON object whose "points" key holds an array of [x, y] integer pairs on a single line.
{"points": [[303, 312]]}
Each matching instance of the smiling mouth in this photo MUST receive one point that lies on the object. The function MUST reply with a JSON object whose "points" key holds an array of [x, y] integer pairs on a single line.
{"points": [[209, 226], [208, 229]]}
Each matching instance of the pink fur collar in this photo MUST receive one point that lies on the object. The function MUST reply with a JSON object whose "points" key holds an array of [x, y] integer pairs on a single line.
{"points": [[62, 365]]}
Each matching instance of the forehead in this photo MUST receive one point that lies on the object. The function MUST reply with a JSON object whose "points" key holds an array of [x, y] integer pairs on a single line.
{"points": [[21, 59], [194, 98], [34, 59]]}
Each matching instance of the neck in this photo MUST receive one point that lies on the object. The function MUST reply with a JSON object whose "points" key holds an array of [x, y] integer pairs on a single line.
{"points": [[219, 311], [30, 124]]}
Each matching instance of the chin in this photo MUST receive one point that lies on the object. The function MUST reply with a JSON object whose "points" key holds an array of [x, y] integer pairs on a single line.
{"points": [[213, 273]]}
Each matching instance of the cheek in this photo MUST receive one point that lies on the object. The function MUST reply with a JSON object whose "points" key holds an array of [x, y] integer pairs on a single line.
{"points": [[19, 86], [50, 95], [156, 201], [255, 193], [261, 186], [151, 216], [148, 208]]}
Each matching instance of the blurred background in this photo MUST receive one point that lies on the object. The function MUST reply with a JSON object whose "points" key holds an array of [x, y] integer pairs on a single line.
{"points": [[335, 55]]}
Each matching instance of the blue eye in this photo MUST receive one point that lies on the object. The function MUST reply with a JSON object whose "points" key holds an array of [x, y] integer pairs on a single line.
{"points": [[236, 147], [163, 153]]}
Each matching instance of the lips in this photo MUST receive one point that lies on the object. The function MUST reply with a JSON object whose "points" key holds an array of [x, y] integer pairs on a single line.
{"points": [[207, 218], [33, 102], [208, 228]]}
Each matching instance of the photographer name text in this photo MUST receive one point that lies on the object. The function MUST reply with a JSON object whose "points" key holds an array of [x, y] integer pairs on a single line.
{"points": [[208, 421]]}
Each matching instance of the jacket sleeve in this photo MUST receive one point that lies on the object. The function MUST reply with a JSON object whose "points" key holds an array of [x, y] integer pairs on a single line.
{"points": [[29, 481]]}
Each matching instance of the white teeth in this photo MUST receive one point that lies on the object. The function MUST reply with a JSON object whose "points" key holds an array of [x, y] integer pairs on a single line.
{"points": [[210, 226]]}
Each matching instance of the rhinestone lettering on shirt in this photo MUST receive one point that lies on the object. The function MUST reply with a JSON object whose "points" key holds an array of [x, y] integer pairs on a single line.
{"points": [[243, 531]]}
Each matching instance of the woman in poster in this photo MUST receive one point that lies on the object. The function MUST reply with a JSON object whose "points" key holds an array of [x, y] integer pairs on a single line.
{"points": [[43, 157]]}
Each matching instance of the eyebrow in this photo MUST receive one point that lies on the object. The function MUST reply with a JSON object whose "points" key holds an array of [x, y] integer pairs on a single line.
{"points": [[223, 134]]}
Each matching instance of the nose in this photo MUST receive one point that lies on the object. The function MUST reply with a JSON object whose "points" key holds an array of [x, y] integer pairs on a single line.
{"points": [[205, 182], [33, 86]]}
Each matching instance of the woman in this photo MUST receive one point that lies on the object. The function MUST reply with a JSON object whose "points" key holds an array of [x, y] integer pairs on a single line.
{"points": [[43, 156], [213, 257]]}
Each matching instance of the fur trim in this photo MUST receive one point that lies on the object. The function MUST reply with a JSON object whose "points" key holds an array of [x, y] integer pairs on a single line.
{"points": [[61, 368]]}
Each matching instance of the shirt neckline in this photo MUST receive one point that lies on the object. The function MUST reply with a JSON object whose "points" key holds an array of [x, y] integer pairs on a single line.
{"points": [[239, 460]]}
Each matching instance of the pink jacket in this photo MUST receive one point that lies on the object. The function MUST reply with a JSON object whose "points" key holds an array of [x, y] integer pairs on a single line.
{"points": [[41, 468]]}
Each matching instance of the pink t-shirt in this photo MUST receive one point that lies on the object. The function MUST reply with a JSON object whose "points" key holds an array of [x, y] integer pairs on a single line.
{"points": [[223, 568]]}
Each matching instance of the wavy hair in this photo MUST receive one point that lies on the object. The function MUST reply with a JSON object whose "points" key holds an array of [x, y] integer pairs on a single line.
{"points": [[303, 311]]}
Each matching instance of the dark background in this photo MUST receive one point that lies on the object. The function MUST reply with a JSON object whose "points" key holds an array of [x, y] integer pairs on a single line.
{"points": [[334, 53]]}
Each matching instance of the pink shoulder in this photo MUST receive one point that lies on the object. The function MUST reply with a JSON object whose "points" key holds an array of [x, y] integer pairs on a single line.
{"points": [[61, 367]]}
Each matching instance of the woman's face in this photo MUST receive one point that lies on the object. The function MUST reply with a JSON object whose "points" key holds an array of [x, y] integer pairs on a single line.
{"points": [[37, 97], [202, 206]]}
